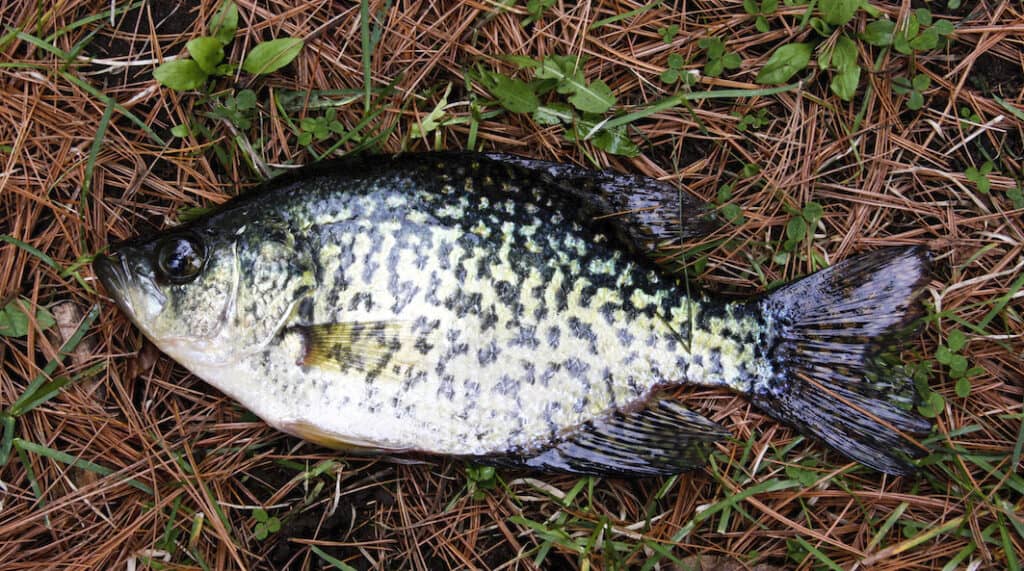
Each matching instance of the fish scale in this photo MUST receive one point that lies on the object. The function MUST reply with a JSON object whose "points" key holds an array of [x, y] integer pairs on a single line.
{"points": [[497, 308]]}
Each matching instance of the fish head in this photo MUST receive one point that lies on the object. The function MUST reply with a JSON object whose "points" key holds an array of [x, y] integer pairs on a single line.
{"points": [[210, 292]]}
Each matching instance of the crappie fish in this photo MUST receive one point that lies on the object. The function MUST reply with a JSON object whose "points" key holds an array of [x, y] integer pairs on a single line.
{"points": [[506, 310]]}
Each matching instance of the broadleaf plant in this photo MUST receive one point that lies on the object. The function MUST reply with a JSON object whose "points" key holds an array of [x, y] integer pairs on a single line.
{"points": [[207, 54]]}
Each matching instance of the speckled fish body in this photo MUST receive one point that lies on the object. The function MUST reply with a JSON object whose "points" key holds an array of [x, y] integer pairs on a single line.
{"points": [[478, 306]]}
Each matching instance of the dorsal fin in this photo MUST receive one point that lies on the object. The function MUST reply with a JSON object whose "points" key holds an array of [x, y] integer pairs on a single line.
{"points": [[647, 215], [661, 439]]}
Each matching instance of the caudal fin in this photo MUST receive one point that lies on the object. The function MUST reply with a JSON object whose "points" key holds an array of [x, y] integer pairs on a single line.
{"points": [[830, 378]]}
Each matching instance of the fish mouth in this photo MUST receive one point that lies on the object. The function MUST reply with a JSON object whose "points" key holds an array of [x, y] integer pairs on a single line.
{"points": [[112, 272]]}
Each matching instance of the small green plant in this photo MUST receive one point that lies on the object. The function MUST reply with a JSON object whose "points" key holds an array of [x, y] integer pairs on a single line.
{"points": [[759, 10], [677, 71], [480, 479], [668, 33], [752, 121], [949, 354], [238, 109], [320, 128], [967, 117], [719, 59], [535, 10], [1016, 195], [913, 88], [207, 54], [843, 59], [979, 176], [265, 525], [730, 211], [580, 110], [14, 321], [799, 227]]}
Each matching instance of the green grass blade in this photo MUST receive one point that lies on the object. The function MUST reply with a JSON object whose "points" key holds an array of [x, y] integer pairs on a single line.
{"points": [[680, 98], [20, 405], [65, 458], [332, 560], [824, 559], [32, 250], [94, 152]]}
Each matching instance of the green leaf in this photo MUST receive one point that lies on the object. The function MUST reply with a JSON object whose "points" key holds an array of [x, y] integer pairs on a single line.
{"points": [[878, 33], [514, 94], [838, 12], [769, 6], [933, 405], [732, 61], [714, 46], [207, 51], [819, 25], [785, 63], [761, 25], [594, 98], [733, 213], [245, 100], [180, 74], [963, 387], [180, 130], [943, 27], [14, 320], [714, 68], [924, 16], [751, 7], [676, 61], [260, 531], [812, 213], [796, 229], [259, 514], [1016, 195], [668, 33], [926, 40], [844, 55], [224, 23], [616, 142], [956, 340], [553, 114], [986, 167], [273, 525], [915, 101], [271, 56], [844, 84], [900, 44], [669, 76], [958, 365], [943, 355], [974, 372], [984, 186], [921, 82]]}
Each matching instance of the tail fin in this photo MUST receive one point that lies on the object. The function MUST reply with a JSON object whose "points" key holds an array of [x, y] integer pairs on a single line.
{"points": [[830, 378]]}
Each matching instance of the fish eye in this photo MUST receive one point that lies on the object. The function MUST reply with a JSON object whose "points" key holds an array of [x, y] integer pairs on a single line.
{"points": [[180, 258]]}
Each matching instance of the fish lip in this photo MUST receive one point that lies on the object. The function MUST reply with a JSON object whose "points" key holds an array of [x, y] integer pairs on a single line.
{"points": [[112, 271]]}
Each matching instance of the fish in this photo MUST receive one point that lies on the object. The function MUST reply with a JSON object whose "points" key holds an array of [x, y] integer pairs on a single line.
{"points": [[512, 311]]}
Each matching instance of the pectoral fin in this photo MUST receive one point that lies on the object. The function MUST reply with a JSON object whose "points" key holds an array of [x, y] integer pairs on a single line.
{"points": [[384, 349]]}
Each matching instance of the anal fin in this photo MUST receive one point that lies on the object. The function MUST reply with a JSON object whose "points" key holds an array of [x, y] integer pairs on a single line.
{"points": [[662, 439]]}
